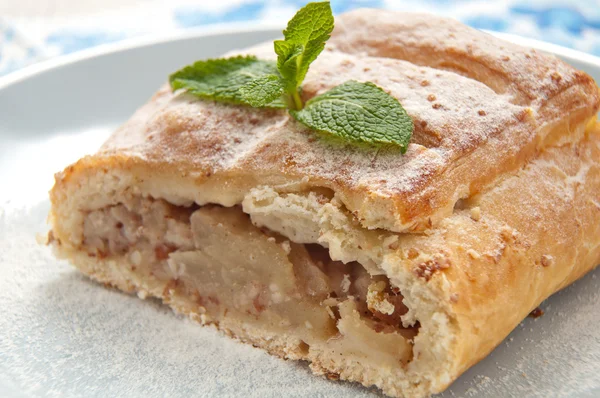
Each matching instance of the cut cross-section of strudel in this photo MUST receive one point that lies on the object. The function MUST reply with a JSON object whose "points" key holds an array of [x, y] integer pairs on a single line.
{"points": [[399, 271]]}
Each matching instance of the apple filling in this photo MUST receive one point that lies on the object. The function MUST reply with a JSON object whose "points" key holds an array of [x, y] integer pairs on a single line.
{"points": [[220, 265]]}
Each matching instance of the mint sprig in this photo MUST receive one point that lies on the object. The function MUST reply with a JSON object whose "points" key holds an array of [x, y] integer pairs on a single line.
{"points": [[358, 112], [263, 91]]}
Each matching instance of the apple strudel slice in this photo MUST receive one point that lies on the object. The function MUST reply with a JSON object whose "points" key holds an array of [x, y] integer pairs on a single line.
{"points": [[399, 271]]}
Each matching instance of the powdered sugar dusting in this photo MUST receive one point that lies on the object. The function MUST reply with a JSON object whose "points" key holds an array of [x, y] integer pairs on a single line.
{"points": [[529, 77], [452, 114]]}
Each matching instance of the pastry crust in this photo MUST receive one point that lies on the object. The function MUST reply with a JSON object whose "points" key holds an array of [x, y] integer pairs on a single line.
{"points": [[506, 105], [493, 208]]}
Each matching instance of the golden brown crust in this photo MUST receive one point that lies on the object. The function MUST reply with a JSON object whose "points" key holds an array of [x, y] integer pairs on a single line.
{"points": [[500, 132], [513, 246]]}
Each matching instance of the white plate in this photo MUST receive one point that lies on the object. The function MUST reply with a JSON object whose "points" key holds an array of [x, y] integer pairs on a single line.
{"points": [[62, 335]]}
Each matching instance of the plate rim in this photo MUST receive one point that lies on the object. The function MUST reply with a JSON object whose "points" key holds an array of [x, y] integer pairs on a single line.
{"points": [[148, 40], [238, 28]]}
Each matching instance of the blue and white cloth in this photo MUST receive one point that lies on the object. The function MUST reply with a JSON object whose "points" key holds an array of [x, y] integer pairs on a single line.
{"points": [[23, 41]]}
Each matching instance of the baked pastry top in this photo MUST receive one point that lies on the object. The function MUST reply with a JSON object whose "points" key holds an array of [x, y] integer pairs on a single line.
{"points": [[394, 270], [481, 107]]}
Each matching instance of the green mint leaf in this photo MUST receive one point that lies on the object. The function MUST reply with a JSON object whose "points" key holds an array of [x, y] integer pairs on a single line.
{"points": [[359, 112], [305, 38], [264, 91], [222, 79]]}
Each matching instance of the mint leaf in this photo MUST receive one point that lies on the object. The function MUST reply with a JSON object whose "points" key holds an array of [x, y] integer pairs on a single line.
{"points": [[305, 38], [287, 56], [359, 112], [263, 91], [222, 79]]}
